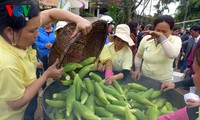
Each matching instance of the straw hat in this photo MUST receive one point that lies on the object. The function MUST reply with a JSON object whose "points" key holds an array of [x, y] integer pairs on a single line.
{"points": [[60, 24], [123, 32]]}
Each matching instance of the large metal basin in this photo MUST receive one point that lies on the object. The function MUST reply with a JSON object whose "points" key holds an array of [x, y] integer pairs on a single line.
{"points": [[173, 96]]}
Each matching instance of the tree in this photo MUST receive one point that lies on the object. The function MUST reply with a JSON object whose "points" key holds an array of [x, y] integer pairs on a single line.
{"points": [[188, 10], [121, 10], [162, 5]]}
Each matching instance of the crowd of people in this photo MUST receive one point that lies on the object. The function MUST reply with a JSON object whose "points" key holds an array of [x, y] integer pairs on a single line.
{"points": [[25, 43], [155, 52], [18, 62]]}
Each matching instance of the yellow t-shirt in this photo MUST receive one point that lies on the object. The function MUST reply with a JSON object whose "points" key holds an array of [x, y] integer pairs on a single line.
{"points": [[156, 64], [122, 59], [103, 57], [17, 70]]}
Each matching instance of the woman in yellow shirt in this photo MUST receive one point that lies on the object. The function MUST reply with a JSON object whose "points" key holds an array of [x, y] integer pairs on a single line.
{"points": [[120, 52], [18, 31], [157, 50]]}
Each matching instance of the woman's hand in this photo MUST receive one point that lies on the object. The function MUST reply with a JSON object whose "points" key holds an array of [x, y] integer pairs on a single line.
{"points": [[53, 71], [153, 34], [136, 74], [49, 45], [84, 26], [167, 86], [187, 70], [192, 102], [157, 36], [108, 80]]}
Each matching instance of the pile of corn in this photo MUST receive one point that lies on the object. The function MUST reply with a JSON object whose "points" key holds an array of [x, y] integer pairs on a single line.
{"points": [[88, 98]]}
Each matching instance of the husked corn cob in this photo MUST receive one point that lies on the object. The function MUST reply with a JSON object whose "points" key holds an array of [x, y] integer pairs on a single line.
{"points": [[88, 61], [100, 93], [71, 96], [85, 70], [129, 115], [89, 85], [55, 103], [84, 111], [71, 66]]}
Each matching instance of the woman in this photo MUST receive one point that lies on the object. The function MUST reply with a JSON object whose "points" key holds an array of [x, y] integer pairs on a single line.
{"points": [[133, 25], [186, 113], [18, 84], [44, 43], [120, 52], [158, 49]]}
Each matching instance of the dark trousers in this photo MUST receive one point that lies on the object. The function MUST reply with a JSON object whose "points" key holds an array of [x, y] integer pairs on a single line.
{"points": [[184, 66], [180, 63], [30, 110]]}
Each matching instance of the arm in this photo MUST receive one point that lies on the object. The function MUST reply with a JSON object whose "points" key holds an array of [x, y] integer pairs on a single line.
{"points": [[170, 85], [56, 14], [109, 65], [185, 83], [185, 113], [126, 66], [117, 76], [31, 90], [138, 58], [171, 49], [105, 58], [180, 114], [138, 62]]}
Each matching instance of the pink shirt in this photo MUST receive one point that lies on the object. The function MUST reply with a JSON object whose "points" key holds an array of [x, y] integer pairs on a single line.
{"points": [[191, 57]]}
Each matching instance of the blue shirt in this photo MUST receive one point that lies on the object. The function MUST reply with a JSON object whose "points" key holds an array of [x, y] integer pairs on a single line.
{"points": [[43, 39]]}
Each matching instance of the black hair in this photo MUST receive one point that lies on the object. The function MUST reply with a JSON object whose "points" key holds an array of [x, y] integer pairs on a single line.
{"points": [[17, 22], [133, 27], [164, 18], [176, 28], [149, 26], [195, 28]]}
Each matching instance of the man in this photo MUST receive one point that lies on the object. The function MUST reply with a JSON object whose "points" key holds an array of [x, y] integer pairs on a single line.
{"points": [[195, 33]]}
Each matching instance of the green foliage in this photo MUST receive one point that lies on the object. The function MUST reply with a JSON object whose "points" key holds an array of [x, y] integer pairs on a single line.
{"points": [[193, 11], [116, 13], [86, 14]]}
